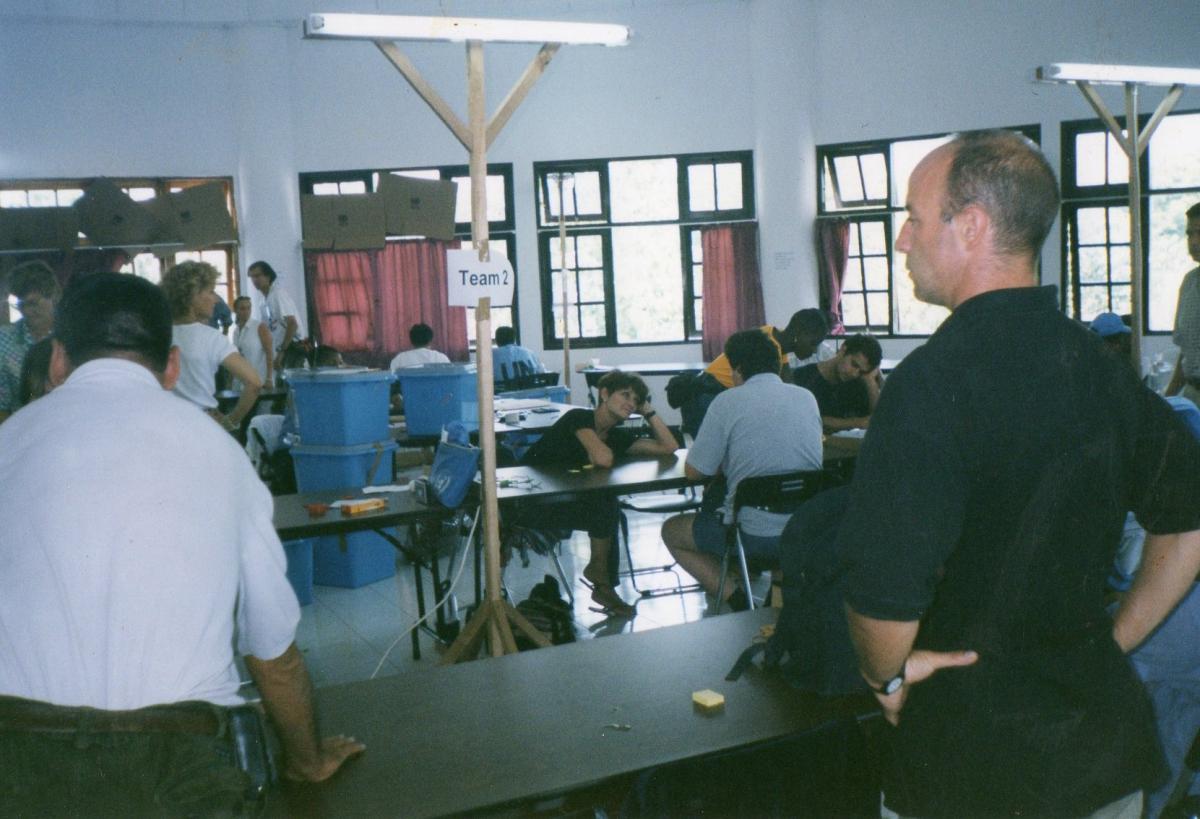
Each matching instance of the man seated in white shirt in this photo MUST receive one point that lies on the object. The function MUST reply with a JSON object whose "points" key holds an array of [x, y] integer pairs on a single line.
{"points": [[137, 548], [421, 336]]}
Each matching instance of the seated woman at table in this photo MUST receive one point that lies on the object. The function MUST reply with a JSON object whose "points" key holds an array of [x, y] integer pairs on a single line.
{"points": [[587, 438], [189, 288]]}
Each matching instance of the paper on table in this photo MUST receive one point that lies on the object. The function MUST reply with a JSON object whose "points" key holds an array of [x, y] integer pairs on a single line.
{"points": [[388, 487]]}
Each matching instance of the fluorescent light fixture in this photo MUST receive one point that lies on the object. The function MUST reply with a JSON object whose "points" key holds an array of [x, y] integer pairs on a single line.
{"points": [[461, 29], [1099, 73]]}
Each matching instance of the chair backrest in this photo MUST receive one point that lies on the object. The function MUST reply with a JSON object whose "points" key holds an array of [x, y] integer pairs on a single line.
{"points": [[527, 381], [783, 492]]}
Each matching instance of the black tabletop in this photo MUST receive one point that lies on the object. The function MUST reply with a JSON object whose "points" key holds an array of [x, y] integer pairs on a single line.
{"points": [[453, 739], [293, 520]]}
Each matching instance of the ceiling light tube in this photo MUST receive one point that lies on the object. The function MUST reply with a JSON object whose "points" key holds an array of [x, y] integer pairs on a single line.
{"points": [[461, 29], [1099, 73]]}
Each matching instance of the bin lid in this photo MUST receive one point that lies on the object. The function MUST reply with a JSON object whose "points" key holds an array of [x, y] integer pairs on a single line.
{"points": [[336, 375], [435, 370], [342, 451]]}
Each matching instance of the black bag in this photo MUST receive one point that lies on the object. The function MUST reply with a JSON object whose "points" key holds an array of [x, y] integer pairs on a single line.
{"points": [[680, 389], [548, 613], [811, 645]]}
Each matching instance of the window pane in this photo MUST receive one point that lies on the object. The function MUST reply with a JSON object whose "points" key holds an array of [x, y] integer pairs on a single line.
{"points": [[698, 312], [581, 190], [877, 309], [873, 239], [1089, 159], [325, 188], [67, 196], [855, 245], [853, 280], [1174, 158], [353, 186], [643, 190], [849, 178], [729, 186], [591, 285], [1091, 226], [14, 199], [905, 156], [854, 313], [701, 196], [1092, 301], [646, 279], [1121, 298], [1093, 265], [697, 241], [910, 317], [147, 266], [875, 176], [140, 194], [494, 185], [1168, 256], [1118, 256], [423, 173], [593, 320], [697, 281], [1118, 163], [591, 251], [1118, 225], [556, 259], [876, 271], [42, 199]]}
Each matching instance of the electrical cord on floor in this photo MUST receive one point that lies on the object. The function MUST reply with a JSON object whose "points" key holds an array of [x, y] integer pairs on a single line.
{"points": [[437, 605]]}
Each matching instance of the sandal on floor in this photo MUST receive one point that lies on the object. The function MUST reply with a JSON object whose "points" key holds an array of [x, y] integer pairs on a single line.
{"points": [[606, 597]]}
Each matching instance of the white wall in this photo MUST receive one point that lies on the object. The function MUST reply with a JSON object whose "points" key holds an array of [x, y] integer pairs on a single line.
{"points": [[228, 87]]}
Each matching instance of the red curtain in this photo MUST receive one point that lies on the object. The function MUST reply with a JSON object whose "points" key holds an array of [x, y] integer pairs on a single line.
{"points": [[364, 301], [733, 298], [833, 249]]}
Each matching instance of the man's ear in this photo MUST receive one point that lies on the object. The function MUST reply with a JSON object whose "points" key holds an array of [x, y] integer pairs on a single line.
{"points": [[60, 365], [972, 223], [170, 374]]}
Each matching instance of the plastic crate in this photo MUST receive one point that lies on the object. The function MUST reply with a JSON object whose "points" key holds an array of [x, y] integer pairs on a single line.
{"points": [[300, 568], [436, 394], [366, 558], [343, 467], [341, 406]]}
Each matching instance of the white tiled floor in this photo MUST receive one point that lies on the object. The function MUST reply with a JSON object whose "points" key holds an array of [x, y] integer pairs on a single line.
{"points": [[345, 632]]}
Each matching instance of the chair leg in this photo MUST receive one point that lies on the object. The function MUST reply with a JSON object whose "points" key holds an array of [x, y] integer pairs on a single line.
{"points": [[741, 553], [562, 576], [724, 571]]}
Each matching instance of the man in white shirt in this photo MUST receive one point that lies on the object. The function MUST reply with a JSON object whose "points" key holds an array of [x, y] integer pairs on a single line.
{"points": [[253, 340], [760, 427], [137, 543], [279, 311], [421, 335]]}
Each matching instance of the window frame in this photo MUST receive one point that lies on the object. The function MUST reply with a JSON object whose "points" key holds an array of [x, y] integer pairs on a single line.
{"points": [[686, 220], [873, 210], [1077, 197]]}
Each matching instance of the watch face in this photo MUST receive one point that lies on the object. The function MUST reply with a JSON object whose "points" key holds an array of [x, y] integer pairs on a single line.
{"points": [[893, 685]]}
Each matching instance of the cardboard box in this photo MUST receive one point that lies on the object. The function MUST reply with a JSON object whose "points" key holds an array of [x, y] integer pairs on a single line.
{"points": [[348, 222], [197, 216], [418, 207], [38, 228], [111, 219]]}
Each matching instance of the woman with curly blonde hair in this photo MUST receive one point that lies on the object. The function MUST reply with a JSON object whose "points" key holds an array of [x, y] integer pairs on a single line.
{"points": [[189, 288]]}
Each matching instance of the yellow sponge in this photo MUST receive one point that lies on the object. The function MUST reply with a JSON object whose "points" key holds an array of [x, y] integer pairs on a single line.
{"points": [[708, 701], [359, 507]]}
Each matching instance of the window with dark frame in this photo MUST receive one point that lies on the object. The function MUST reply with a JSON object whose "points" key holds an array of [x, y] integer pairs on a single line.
{"points": [[20, 193], [633, 253], [866, 184], [1095, 218], [501, 224]]}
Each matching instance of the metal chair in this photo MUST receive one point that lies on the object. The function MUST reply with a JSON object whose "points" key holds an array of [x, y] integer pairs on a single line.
{"points": [[782, 493]]}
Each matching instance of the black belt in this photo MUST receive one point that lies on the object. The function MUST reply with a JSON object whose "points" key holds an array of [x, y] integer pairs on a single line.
{"points": [[30, 716]]}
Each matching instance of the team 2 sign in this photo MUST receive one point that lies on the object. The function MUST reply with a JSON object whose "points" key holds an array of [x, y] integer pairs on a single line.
{"points": [[468, 280]]}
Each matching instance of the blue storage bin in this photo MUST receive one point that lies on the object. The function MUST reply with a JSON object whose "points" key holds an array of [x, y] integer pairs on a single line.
{"points": [[556, 394], [436, 394], [343, 467], [300, 568], [366, 558], [341, 406]]}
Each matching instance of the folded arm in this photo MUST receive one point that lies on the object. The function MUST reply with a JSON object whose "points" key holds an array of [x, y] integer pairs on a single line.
{"points": [[1169, 567]]}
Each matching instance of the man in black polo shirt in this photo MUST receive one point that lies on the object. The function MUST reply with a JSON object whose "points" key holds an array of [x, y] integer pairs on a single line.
{"points": [[846, 386], [987, 505]]}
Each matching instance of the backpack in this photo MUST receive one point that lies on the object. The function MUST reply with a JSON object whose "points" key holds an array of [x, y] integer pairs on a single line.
{"points": [[680, 389], [811, 644], [548, 613]]}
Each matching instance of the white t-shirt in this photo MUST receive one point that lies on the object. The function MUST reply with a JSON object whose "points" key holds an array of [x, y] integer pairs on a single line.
{"points": [[247, 342], [201, 351], [133, 528], [277, 307], [417, 357]]}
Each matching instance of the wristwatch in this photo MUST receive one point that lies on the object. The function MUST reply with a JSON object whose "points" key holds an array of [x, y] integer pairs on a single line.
{"points": [[891, 686], [650, 414]]}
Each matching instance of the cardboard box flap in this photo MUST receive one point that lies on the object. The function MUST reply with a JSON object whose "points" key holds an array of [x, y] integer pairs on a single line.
{"points": [[418, 207], [38, 228], [316, 217], [197, 216], [110, 218], [358, 221]]}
